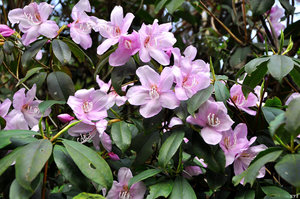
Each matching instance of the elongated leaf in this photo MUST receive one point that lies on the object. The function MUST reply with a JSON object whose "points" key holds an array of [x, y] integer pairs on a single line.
{"points": [[288, 168], [279, 66], [60, 86], [7, 161], [292, 117], [160, 189], [276, 123], [173, 5], [143, 175], [90, 163], [251, 172], [254, 63], [18, 192], [221, 91], [295, 74], [259, 7], [159, 4], [29, 74], [32, 51], [69, 169], [182, 189], [2, 123], [61, 51], [43, 106], [121, 134], [84, 195], [6, 135], [274, 191], [271, 113], [245, 195], [31, 160], [8, 47], [169, 148], [198, 99]]}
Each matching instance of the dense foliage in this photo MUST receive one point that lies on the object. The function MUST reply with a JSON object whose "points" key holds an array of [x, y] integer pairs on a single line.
{"points": [[149, 99]]}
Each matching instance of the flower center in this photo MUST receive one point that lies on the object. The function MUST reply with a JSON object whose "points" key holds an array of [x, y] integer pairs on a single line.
{"points": [[31, 109], [153, 92], [124, 194], [239, 100], [117, 31], [189, 82], [87, 106], [34, 18], [213, 120], [147, 41], [128, 44]]}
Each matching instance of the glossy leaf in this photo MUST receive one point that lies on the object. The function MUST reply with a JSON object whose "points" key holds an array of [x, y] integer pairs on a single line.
{"points": [[182, 189], [276, 123], [254, 63], [288, 168], [198, 99], [18, 192], [90, 163], [271, 113], [173, 5], [7, 161], [121, 134], [32, 51], [221, 91], [279, 66], [162, 189], [43, 106], [292, 117], [61, 51], [29, 74], [2, 123], [245, 195], [159, 5], [274, 191], [143, 175], [295, 74], [8, 47], [6, 135], [259, 7]]}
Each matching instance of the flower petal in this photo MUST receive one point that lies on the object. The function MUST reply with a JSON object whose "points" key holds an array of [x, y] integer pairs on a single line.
{"points": [[211, 136], [153, 107], [124, 175], [148, 76]]}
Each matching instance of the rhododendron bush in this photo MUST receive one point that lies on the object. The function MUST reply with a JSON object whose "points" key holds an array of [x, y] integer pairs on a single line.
{"points": [[149, 99]]}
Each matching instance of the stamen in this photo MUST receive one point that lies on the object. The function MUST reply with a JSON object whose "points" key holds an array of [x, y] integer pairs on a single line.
{"points": [[147, 41], [87, 106], [128, 44], [213, 120], [153, 92]]}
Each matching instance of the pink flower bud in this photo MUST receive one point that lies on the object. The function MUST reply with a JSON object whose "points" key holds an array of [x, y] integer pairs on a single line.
{"points": [[64, 118], [113, 156], [5, 31]]}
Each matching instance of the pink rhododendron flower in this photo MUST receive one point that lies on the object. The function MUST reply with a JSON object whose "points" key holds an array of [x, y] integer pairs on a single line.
{"points": [[154, 93], [64, 118], [234, 142], [213, 117], [93, 132], [89, 105], [114, 29], [128, 46], [275, 15], [26, 111], [240, 101], [6, 31], [155, 41], [33, 21], [190, 76], [175, 121], [113, 156], [4, 107], [113, 97], [81, 28], [291, 97], [191, 171], [121, 190], [244, 159]]}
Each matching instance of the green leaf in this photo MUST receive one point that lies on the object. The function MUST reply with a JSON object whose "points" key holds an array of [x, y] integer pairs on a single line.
{"points": [[7, 160], [32, 51], [6, 135], [69, 169], [251, 81], [198, 99], [38, 79], [279, 66], [17, 141], [276, 123], [173, 5], [239, 57], [2, 123], [259, 7], [121, 135], [61, 51], [143, 175], [215, 180], [162, 189], [245, 195], [182, 189], [16, 191], [271, 113], [274, 191], [31, 160], [292, 115], [295, 74], [60, 85], [249, 175], [169, 147], [274, 102], [90, 163], [43, 106], [159, 4], [287, 7], [8, 47], [288, 168], [1, 56], [254, 63], [221, 91], [84, 195], [29, 74]]}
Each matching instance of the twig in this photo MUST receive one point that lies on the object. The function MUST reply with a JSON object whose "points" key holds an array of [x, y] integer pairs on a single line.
{"points": [[245, 21], [44, 181], [267, 30], [291, 85], [261, 99], [269, 172]]}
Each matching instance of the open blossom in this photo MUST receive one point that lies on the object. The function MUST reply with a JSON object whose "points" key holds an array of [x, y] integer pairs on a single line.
{"points": [[6, 31], [213, 117], [234, 142], [4, 107], [154, 93], [89, 105], [114, 29], [240, 101], [275, 15], [190, 76], [122, 191], [94, 132], [33, 21], [155, 41], [81, 28], [113, 97], [128, 46], [26, 111]]}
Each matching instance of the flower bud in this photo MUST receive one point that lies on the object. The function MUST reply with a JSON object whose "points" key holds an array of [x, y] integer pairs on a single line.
{"points": [[5, 31], [64, 118], [113, 156]]}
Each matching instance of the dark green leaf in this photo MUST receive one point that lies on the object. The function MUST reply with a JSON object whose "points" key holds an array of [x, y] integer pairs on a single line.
{"points": [[143, 175], [60, 86], [38, 79], [7, 160], [121, 135], [288, 168], [254, 63], [159, 4], [238, 59], [274, 191], [259, 7], [2, 123], [162, 189], [287, 6], [29, 74], [90, 163], [61, 51], [271, 113], [6, 135], [8, 47], [1, 56], [169, 147], [173, 5], [274, 102], [18, 192], [295, 74], [43, 106], [292, 117], [276, 123], [31, 160], [20, 141], [198, 99], [32, 51], [215, 180], [279, 66], [84, 195], [245, 195], [182, 189], [221, 91]]}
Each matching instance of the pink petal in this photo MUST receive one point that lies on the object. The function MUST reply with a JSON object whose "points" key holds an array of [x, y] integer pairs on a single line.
{"points": [[106, 44], [106, 141], [115, 190], [83, 5], [147, 76], [124, 175], [116, 16], [153, 107], [64, 118], [80, 128], [160, 56], [137, 190], [138, 95], [45, 10], [19, 99], [211, 136], [166, 79], [127, 22], [4, 107], [190, 52], [119, 57], [49, 29], [16, 15], [31, 35], [169, 100]]}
